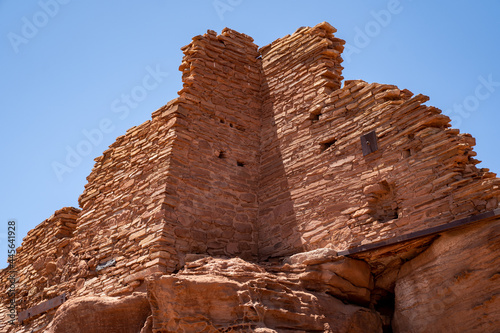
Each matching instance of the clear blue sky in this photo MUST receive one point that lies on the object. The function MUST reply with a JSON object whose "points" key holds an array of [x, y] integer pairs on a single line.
{"points": [[67, 65]]}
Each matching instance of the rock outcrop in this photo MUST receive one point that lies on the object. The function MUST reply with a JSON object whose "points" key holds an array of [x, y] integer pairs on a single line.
{"points": [[454, 286], [102, 315], [232, 295], [217, 295]]}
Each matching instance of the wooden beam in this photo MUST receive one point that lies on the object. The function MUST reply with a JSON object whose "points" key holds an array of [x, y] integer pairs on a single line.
{"points": [[422, 233], [41, 308]]}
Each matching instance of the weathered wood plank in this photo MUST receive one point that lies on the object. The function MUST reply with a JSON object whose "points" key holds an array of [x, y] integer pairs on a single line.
{"points": [[41, 308]]}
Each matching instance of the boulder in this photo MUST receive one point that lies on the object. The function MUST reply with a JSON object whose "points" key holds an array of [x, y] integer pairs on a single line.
{"points": [[454, 286], [102, 315], [317, 256], [345, 278]]}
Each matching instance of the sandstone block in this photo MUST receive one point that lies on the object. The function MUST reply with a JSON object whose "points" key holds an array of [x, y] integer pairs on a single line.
{"points": [[101, 314]]}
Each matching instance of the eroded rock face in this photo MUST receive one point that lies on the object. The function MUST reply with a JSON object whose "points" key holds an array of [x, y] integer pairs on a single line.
{"points": [[454, 286], [102, 315], [342, 277], [213, 295]]}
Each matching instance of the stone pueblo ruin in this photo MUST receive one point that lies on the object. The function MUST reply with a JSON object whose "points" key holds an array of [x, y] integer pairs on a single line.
{"points": [[272, 195]]}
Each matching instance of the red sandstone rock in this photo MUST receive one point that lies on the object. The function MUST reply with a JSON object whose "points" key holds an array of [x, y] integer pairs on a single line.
{"points": [[101, 315], [345, 278], [317, 256], [454, 286], [213, 295]]}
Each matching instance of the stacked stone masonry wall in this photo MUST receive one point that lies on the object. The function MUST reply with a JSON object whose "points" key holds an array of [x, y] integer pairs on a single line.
{"points": [[125, 199], [296, 70], [317, 189], [41, 260], [422, 175], [216, 154]]}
